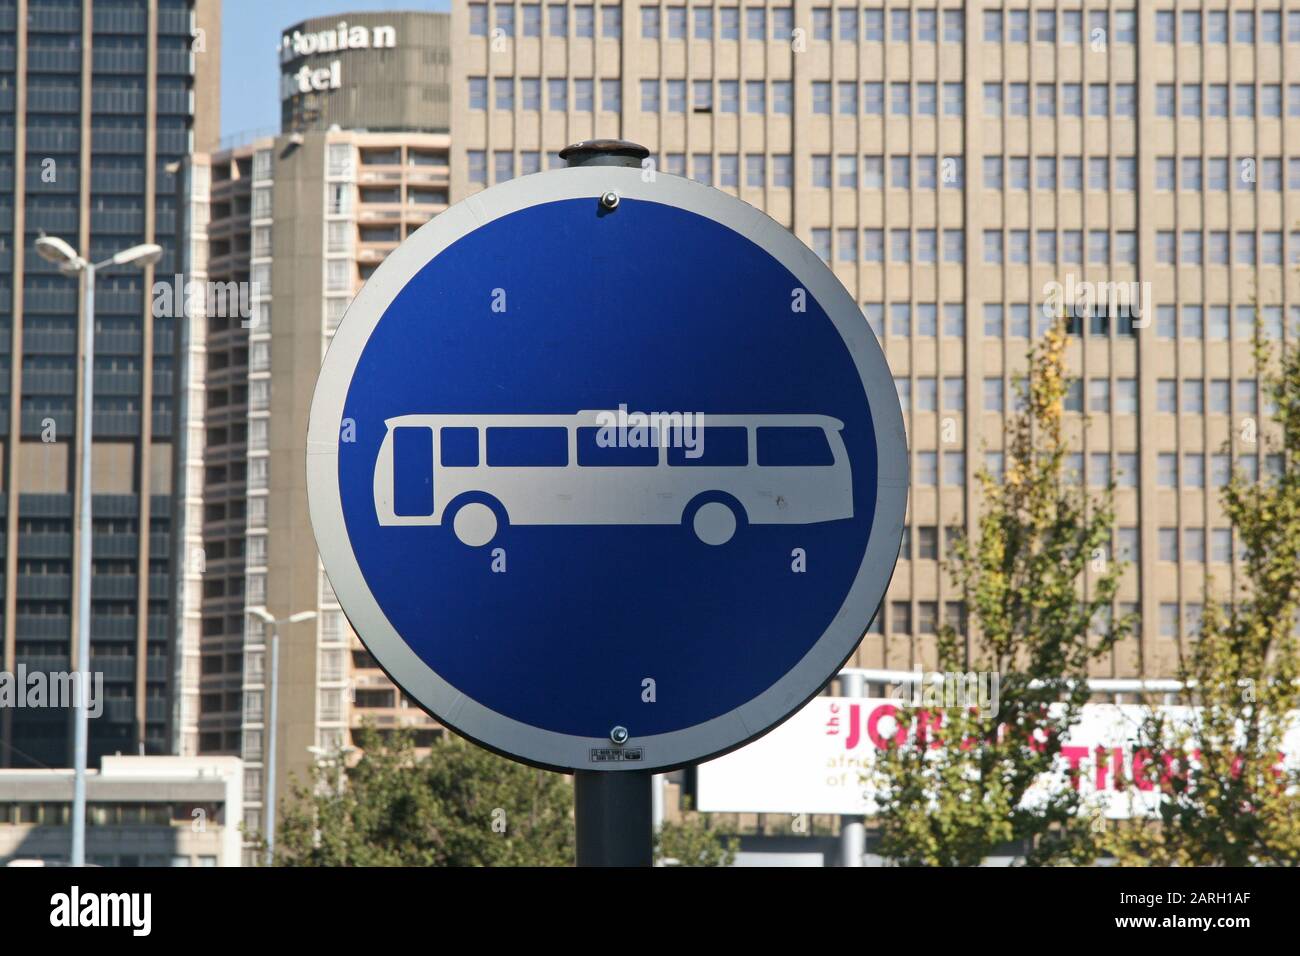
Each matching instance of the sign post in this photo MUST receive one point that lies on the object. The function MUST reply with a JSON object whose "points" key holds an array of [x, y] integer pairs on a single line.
{"points": [[613, 813], [609, 474]]}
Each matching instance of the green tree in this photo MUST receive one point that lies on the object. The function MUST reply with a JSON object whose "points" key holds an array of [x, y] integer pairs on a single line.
{"points": [[959, 793], [695, 841], [1236, 803], [459, 806]]}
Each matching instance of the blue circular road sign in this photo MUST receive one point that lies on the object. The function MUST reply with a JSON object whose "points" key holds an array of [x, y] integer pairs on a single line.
{"points": [[607, 484]]}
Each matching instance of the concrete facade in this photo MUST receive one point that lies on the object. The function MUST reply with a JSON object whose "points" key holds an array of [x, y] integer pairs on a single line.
{"points": [[140, 811], [98, 105], [951, 162]]}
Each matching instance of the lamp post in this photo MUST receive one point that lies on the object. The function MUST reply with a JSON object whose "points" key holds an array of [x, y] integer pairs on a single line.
{"points": [[268, 790], [53, 249]]}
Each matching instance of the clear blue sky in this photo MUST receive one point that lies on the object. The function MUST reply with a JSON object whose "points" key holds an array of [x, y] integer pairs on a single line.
{"points": [[250, 66]]}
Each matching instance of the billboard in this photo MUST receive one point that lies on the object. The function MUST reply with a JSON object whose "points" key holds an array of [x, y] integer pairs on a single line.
{"points": [[820, 760]]}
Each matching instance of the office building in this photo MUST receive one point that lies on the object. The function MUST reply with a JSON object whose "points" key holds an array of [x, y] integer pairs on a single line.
{"points": [[140, 811], [953, 163], [98, 103], [293, 224]]}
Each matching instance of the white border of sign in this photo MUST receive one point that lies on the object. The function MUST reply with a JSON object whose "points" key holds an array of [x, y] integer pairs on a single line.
{"points": [[495, 730]]}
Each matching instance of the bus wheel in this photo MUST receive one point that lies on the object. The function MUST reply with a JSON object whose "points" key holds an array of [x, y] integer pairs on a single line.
{"points": [[475, 523], [714, 518]]}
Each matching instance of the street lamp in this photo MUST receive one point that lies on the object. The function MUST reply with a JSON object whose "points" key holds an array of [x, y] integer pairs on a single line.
{"points": [[265, 616], [54, 249]]}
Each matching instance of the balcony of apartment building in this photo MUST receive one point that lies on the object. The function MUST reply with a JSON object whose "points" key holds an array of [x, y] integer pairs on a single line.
{"points": [[38, 583], [44, 543], [379, 203], [48, 663], [120, 667], [226, 369], [383, 705], [229, 332], [223, 518], [231, 173], [226, 437], [52, 626], [377, 700], [415, 217], [430, 175], [226, 404], [116, 544], [221, 707], [225, 479], [228, 254], [221, 675], [375, 242], [380, 165], [230, 213]]}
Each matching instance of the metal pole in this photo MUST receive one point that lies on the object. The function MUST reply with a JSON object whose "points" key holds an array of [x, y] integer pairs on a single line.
{"points": [[81, 718], [613, 813], [853, 829], [269, 789]]}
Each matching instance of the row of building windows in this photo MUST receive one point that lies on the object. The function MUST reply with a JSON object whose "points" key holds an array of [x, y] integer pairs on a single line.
{"points": [[1190, 100], [926, 469], [1218, 100], [924, 25], [921, 246], [760, 23], [1192, 247], [1195, 326], [898, 98], [905, 172], [1200, 396], [1014, 172], [922, 543], [928, 246], [927, 618], [1212, 173], [527, 95], [1050, 246], [759, 170], [928, 393], [1172, 624], [1102, 468], [1187, 26], [1013, 26], [1014, 321]]}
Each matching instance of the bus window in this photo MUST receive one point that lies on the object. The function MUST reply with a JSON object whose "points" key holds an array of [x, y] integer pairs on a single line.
{"points": [[794, 446], [592, 454], [524, 447], [725, 446], [413, 471], [459, 447]]}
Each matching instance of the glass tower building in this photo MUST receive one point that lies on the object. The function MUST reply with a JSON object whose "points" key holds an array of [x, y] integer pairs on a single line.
{"points": [[99, 102]]}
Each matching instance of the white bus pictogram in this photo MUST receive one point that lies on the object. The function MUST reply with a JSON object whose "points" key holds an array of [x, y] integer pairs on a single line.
{"points": [[479, 473]]}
